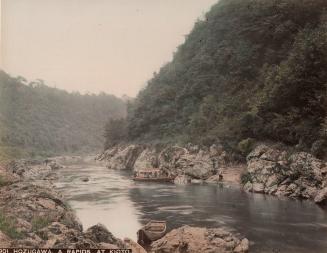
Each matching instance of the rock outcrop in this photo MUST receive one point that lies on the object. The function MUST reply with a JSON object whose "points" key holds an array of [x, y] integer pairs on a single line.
{"points": [[34, 215], [191, 160], [193, 240], [274, 171], [121, 157]]}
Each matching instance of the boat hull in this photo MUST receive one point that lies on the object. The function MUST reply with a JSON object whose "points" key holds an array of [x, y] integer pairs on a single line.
{"points": [[148, 233], [152, 179]]}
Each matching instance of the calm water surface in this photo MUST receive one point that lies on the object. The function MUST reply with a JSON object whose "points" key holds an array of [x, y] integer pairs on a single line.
{"points": [[113, 199]]}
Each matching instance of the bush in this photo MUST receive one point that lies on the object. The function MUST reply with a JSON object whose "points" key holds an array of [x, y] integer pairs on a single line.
{"points": [[246, 146], [39, 223], [246, 177], [3, 181]]}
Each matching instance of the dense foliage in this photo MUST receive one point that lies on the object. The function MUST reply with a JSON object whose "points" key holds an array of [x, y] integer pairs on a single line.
{"points": [[38, 120], [252, 69]]}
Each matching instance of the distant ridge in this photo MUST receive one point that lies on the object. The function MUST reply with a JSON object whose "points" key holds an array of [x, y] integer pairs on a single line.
{"points": [[40, 120]]}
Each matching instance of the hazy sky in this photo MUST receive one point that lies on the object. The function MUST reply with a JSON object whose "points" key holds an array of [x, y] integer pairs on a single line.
{"points": [[94, 45]]}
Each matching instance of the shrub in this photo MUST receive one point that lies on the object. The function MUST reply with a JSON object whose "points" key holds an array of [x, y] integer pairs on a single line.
{"points": [[7, 227], [3, 181], [245, 146], [246, 177], [39, 223]]}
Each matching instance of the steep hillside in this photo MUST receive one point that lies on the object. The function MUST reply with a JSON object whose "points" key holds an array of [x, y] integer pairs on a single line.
{"points": [[251, 70], [38, 120]]}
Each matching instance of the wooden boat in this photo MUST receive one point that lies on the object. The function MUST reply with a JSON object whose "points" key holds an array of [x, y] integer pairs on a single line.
{"points": [[152, 231], [151, 175]]}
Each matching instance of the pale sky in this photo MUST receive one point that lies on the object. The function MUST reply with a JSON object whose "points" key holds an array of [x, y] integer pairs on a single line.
{"points": [[94, 45]]}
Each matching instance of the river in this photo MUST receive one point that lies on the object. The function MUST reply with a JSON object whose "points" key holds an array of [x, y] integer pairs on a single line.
{"points": [[123, 206]]}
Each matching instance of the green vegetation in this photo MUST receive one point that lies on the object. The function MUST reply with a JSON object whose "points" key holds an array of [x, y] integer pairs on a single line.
{"points": [[39, 223], [246, 146], [251, 69], [115, 132], [246, 177], [37, 120], [3, 181], [7, 226]]}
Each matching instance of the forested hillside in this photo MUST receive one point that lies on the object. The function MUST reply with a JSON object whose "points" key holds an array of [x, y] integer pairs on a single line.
{"points": [[38, 120], [251, 70]]}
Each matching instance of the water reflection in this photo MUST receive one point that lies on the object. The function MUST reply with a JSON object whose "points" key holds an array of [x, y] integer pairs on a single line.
{"points": [[111, 198]]}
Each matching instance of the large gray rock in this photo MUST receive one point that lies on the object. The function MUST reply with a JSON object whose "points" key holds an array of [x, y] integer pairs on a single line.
{"points": [[194, 239], [100, 234], [194, 162], [190, 160], [146, 160], [5, 241], [122, 157], [197, 165], [321, 197], [182, 180], [169, 158], [271, 171]]}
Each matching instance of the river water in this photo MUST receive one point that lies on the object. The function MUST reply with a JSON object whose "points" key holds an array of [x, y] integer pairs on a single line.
{"points": [[123, 206]]}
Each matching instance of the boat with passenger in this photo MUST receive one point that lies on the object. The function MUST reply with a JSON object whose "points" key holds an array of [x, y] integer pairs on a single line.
{"points": [[152, 175]]}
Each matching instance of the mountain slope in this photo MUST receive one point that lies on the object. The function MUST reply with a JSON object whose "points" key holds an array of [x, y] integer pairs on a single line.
{"points": [[36, 119], [252, 69]]}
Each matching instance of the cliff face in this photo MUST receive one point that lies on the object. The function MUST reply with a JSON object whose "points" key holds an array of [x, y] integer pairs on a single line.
{"points": [[190, 161]]}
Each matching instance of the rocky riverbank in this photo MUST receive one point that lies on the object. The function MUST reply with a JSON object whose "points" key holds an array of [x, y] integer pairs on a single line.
{"points": [[269, 170], [34, 215], [186, 164], [276, 171]]}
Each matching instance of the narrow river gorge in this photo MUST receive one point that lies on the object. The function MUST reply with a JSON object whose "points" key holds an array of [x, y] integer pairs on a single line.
{"points": [[100, 195]]}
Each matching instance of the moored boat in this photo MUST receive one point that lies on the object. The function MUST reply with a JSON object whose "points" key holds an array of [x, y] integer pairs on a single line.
{"points": [[152, 231], [151, 175]]}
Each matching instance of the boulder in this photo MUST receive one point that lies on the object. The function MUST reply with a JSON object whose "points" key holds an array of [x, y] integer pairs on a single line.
{"points": [[182, 180], [191, 160], [271, 171], [122, 157], [215, 179], [100, 234], [198, 165], [5, 241], [194, 239], [243, 246], [258, 188], [169, 157], [146, 160], [321, 197], [135, 247], [196, 181]]}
